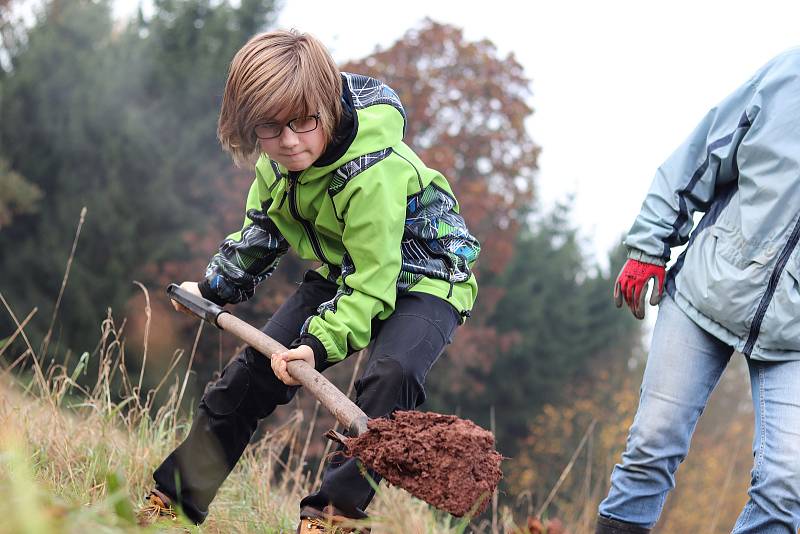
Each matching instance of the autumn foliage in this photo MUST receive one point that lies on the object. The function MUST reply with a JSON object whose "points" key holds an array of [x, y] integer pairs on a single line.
{"points": [[466, 117], [467, 108]]}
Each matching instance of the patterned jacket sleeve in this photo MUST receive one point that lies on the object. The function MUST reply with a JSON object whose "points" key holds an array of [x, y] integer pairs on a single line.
{"points": [[246, 257]]}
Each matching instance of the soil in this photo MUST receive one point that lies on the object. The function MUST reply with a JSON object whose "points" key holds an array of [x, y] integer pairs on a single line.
{"points": [[444, 460]]}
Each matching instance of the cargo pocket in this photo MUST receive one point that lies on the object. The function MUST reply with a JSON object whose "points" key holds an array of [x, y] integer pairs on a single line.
{"points": [[780, 330], [225, 396]]}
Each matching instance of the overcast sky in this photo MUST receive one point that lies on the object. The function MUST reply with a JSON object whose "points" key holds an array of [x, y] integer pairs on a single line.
{"points": [[616, 85]]}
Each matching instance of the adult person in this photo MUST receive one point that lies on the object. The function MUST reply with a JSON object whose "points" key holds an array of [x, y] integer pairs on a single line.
{"points": [[735, 288]]}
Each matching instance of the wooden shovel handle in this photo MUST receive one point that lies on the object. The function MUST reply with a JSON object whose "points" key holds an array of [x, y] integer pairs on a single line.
{"points": [[346, 412]]}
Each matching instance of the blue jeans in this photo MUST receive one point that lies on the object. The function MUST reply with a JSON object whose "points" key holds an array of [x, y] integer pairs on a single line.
{"points": [[683, 367]]}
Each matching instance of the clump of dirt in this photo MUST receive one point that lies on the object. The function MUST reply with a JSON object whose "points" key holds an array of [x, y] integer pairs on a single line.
{"points": [[444, 460]]}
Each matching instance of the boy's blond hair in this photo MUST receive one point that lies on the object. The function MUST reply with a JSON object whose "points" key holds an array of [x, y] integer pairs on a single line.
{"points": [[281, 74]]}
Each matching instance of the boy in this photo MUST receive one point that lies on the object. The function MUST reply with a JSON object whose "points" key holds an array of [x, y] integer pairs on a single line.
{"points": [[335, 181]]}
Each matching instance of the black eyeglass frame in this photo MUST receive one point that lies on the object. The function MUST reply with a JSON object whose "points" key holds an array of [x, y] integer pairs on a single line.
{"points": [[290, 124]]}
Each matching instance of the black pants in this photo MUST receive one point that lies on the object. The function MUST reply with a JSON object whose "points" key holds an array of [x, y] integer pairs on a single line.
{"points": [[403, 349]]}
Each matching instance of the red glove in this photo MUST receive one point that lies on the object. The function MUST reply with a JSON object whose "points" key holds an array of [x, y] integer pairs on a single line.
{"points": [[631, 285]]}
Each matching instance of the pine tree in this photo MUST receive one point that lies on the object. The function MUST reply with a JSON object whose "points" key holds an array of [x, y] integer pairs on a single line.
{"points": [[121, 121]]}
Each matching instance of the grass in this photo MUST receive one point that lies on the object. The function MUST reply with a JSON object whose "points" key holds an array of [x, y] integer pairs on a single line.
{"points": [[78, 458]]}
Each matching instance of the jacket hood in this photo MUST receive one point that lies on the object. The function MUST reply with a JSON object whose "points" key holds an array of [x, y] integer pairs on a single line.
{"points": [[373, 119]]}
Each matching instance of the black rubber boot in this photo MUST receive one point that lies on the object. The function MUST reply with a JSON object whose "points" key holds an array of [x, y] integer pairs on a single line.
{"points": [[612, 526]]}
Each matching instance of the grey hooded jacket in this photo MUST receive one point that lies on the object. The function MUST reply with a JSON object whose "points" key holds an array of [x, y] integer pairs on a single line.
{"points": [[739, 276]]}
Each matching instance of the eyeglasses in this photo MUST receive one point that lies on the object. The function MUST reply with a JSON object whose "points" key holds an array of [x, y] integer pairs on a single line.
{"points": [[271, 130]]}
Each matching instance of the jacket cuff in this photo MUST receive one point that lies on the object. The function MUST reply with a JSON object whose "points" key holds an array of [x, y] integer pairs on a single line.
{"points": [[638, 255], [208, 293], [320, 354]]}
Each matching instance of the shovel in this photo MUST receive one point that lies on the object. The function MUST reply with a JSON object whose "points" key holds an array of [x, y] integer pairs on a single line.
{"points": [[444, 460], [346, 412]]}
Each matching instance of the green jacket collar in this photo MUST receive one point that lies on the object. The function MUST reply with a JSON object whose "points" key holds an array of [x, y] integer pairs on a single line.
{"points": [[372, 119]]}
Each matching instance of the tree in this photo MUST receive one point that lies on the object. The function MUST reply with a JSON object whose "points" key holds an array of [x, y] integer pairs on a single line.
{"points": [[17, 195], [556, 315], [466, 111], [588, 422], [123, 122], [543, 310]]}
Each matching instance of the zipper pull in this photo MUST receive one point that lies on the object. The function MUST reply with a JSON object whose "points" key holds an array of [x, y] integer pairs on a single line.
{"points": [[292, 179]]}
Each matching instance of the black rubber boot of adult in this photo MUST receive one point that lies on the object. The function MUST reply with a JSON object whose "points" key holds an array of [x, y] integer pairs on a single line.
{"points": [[612, 526]]}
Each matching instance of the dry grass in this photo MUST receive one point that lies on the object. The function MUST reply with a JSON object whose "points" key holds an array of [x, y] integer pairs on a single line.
{"points": [[78, 458]]}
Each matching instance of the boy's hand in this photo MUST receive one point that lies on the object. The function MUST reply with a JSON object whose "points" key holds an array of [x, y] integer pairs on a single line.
{"points": [[192, 288], [279, 361]]}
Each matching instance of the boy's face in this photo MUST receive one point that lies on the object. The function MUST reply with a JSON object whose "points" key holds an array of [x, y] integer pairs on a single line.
{"points": [[295, 151]]}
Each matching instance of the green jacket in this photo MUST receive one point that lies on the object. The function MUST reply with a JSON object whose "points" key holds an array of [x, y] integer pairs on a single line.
{"points": [[379, 221]]}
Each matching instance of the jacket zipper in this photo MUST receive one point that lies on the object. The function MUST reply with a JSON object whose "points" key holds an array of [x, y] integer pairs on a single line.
{"points": [[771, 286], [307, 226]]}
